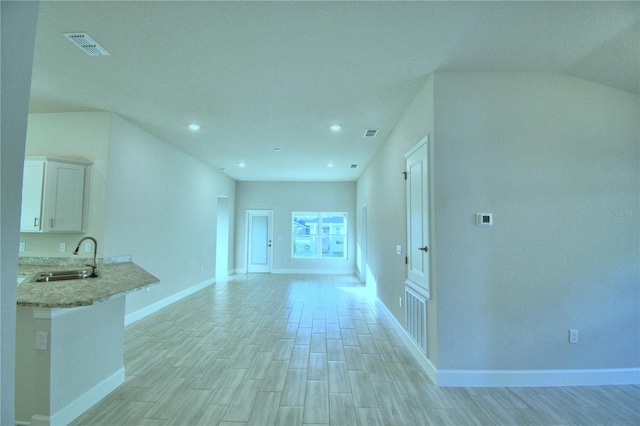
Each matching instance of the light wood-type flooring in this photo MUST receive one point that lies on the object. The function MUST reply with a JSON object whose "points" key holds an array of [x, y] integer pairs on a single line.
{"points": [[301, 349]]}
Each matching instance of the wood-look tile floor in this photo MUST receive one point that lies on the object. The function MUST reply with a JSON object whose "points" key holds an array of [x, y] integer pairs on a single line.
{"points": [[295, 350]]}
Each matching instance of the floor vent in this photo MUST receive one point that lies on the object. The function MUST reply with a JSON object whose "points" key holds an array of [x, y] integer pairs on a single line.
{"points": [[87, 44], [416, 317]]}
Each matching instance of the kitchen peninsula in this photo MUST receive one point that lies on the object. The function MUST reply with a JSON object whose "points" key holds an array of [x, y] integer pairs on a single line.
{"points": [[70, 338]]}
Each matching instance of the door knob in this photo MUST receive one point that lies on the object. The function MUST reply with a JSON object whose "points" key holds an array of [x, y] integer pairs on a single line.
{"points": [[424, 249]]}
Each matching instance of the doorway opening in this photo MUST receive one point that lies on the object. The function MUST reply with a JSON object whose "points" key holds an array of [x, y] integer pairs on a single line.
{"points": [[222, 239]]}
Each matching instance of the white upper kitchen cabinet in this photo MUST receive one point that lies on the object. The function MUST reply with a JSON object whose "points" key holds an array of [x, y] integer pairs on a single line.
{"points": [[54, 195]]}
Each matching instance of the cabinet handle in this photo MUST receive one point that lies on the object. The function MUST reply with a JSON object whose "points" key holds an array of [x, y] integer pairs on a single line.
{"points": [[51, 222], [35, 222]]}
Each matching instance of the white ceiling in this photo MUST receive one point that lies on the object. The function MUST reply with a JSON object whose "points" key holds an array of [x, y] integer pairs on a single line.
{"points": [[263, 75]]}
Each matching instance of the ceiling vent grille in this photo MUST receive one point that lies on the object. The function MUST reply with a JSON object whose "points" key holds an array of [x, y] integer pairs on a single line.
{"points": [[87, 44], [371, 133], [353, 166]]}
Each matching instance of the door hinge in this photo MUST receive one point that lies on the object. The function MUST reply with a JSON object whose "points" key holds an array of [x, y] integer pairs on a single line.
{"points": [[406, 260], [405, 175]]}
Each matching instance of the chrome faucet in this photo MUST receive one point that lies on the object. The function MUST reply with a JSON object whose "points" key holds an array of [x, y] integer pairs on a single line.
{"points": [[94, 265]]}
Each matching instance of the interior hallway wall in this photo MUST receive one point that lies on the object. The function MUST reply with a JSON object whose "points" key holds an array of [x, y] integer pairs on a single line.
{"points": [[382, 187], [284, 198], [556, 160], [161, 208]]}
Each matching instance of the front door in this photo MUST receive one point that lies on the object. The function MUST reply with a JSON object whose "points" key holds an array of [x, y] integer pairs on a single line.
{"points": [[259, 240], [417, 169]]}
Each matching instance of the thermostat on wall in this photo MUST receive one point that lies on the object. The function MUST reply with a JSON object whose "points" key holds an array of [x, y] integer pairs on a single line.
{"points": [[484, 219]]}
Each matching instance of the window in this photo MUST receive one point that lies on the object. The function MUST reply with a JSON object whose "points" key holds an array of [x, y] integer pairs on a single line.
{"points": [[319, 235]]}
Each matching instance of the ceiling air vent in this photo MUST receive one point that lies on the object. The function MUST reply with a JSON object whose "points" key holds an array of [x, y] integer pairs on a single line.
{"points": [[371, 133], [353, 166], [87, 44]]}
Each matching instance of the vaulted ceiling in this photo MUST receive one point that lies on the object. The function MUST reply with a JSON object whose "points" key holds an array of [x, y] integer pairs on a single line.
{"points": [[266, 80]]}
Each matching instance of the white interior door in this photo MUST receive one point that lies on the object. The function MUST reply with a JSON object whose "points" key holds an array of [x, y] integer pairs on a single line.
{"points": [[259, 240], [417, 169]]}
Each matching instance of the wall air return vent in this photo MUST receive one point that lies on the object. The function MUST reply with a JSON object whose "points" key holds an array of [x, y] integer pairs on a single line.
{"points": [[371, 133], [87, 44]]}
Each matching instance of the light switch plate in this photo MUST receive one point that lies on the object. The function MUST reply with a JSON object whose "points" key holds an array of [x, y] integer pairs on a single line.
{"points": [[399, 250]]}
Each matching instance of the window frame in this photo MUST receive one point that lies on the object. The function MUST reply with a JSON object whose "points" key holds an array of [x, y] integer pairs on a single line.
{"points": [[319, 235]]}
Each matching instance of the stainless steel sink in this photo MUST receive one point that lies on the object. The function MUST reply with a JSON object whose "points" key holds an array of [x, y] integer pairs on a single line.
{"points": [[74, 274]]}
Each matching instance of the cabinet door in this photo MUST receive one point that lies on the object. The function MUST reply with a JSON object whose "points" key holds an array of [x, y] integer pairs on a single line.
{"points": [[64, 197], [32, 184]]}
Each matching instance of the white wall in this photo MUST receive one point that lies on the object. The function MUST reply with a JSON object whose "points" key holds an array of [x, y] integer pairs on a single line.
{"points": [[147, 199], [556, 160], [549, 155], [382, 188], [18, 30], [161, 207], [77, 135], [284, 198]]}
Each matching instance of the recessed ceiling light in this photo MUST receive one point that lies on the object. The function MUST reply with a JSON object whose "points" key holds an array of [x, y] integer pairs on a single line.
{"points": [[194, 127], [241, 164], [277, 149], [336, 127], [330, 164]]}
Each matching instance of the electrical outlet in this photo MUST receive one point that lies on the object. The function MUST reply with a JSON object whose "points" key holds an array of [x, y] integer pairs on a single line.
{"points": [[87, 247], [573, 336], [41, 340], [62, 247], [23, 247]]}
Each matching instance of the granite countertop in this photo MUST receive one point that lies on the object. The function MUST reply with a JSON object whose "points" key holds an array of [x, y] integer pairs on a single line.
{"points": [[113, 280]]}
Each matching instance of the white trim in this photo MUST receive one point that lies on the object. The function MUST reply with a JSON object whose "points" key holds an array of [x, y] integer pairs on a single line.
{"points": [[417, 146], [315, 271], [87, 400], [408, 341], [239, 271], [514, 378], [533, 378], [154, 307], [38, 420]]}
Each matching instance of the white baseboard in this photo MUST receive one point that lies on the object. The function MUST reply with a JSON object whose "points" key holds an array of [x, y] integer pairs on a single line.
{"points": [[304, 271], [416, 351], [314, 271], [533, 378], [81, 404], [154, 307], [514, 378]]}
